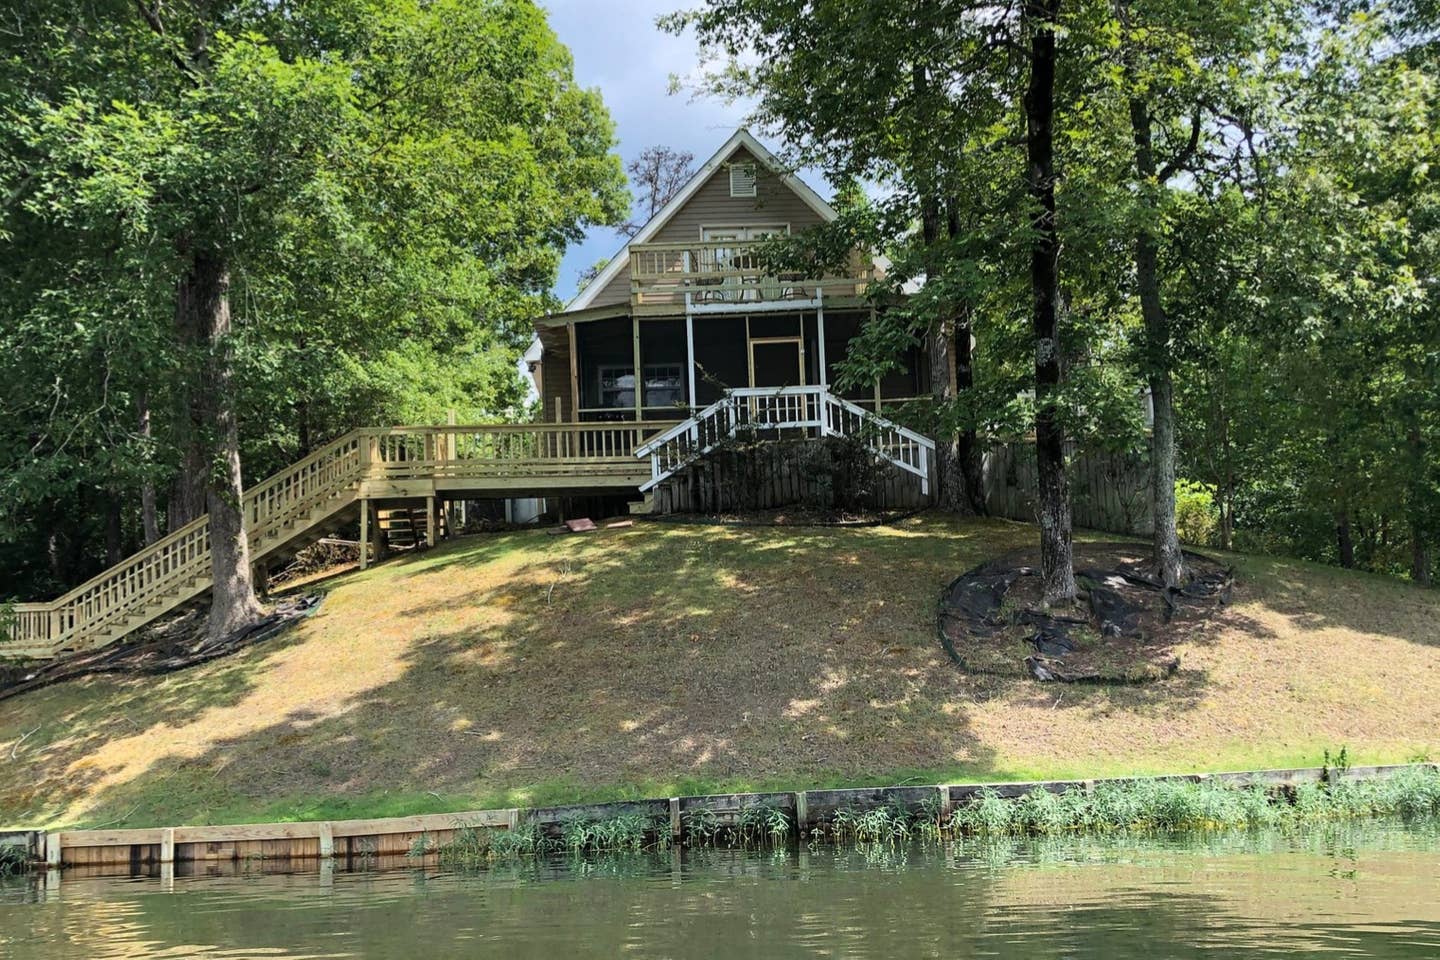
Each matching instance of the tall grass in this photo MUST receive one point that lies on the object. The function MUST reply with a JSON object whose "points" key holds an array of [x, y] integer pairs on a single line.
{"points": [[1110, 808], [756, 825], [1177, 805], [473, 846]]}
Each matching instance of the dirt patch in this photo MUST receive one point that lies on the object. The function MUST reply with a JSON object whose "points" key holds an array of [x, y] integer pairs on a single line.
{"points": [[1124, 627], [171, 644]]}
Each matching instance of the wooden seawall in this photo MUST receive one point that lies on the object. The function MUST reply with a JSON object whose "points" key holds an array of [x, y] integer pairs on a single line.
{"points": [[359, 841]]}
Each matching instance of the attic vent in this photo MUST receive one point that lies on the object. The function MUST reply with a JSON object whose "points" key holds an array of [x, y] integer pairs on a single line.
{"points": [[742, 180]]}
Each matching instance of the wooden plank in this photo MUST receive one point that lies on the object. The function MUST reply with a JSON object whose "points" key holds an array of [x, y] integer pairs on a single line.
{"points": [[107, 838], [419, 824], [246, 832]]}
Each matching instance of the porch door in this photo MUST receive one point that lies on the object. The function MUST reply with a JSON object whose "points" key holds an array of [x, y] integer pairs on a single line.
{"points": [[776, 362]]}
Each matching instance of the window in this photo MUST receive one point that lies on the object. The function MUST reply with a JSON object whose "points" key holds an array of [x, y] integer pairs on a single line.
{"points": [[664, 386], [617, 387], [742, 180]]}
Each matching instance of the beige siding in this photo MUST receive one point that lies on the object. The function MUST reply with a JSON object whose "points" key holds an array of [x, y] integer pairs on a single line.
{"points": [[712, 206], [555, 373]]}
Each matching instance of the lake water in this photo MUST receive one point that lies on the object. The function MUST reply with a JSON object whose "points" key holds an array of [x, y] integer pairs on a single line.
{"points": [[1369, 890]]}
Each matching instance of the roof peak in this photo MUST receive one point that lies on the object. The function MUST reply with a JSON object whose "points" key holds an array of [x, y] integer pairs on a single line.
{"points": [[742, 137]]}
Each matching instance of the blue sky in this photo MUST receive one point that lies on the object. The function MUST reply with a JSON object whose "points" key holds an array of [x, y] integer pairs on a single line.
{"points": [[617, 49]]}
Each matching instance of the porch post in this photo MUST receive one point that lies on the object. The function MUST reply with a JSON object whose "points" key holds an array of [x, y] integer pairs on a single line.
{"points": [[820, 338], [639, 378], [690, 353], [574, 376]]}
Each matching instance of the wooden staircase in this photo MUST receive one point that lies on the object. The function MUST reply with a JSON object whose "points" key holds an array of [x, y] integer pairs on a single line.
{"points": [[320, 493], [176, 569], [405, 527]]}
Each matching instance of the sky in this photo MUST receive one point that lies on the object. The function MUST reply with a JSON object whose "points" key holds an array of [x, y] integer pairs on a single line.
{"points": [[618, 50]]}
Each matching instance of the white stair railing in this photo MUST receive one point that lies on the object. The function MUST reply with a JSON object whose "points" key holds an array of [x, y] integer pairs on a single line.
{"points": [[785, 408]]}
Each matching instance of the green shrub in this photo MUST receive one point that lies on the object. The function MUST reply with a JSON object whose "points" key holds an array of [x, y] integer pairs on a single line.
{"points": [[1196, 515]]}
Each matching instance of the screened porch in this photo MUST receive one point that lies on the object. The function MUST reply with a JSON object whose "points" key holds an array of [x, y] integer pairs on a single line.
{"points": [[770, 349]]}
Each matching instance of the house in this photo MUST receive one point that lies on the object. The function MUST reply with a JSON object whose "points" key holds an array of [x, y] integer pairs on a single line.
{"points": [[687, 304]]}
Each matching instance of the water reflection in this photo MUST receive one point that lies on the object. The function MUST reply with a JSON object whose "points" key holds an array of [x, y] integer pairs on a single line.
{"points": [[1365, 890]]}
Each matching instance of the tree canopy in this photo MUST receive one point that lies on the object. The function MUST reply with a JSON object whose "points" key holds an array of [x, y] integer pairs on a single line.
{"points": [[380, 192]]}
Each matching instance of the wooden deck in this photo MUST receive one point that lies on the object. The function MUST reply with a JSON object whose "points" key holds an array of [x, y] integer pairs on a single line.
{"points": [[729, 276], [332, 487]]}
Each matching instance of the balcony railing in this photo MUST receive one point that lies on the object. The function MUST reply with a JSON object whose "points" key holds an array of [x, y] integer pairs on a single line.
{"points": [[732, 275]]}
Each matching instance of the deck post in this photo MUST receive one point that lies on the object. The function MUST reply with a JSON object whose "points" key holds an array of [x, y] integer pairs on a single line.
{"points": [[430, 539], [167, 845], [364, 533], [377, 539]]}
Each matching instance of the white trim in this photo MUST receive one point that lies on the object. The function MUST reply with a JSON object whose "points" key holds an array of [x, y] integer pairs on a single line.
{"points": [[740, 138]]}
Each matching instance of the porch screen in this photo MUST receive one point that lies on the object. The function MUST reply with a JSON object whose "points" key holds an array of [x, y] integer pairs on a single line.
{"points": [[662, 355], [721, 358], [607, 368]]}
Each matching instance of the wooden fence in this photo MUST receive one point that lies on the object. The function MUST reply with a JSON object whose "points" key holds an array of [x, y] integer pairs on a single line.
{"points": [[1108, 491]]}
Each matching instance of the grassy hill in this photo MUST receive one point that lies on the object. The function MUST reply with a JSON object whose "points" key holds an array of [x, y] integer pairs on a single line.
{"points": [[525, 668]]}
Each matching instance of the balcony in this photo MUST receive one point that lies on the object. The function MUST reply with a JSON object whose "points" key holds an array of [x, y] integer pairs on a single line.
{"points": [[731, 276]]}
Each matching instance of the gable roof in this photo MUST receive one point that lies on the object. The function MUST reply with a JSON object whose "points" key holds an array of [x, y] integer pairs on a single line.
{"points": [[740, 139]]}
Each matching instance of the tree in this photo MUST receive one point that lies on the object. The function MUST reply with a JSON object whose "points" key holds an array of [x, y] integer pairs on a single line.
{"points": [[657, 174], [1041, 22], [306, 176]]}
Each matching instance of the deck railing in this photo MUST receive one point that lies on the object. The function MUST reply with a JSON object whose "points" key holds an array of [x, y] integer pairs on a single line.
{"points": [[279, 507], [773, 409], [506, 450], [733, 273]]}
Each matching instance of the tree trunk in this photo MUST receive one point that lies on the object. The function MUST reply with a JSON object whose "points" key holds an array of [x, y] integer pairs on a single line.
{"points": [[187, 491], [1420, 559], [1344, 539], [1169, 564], [149, 516], [968, 451], [114, 531], [951, 494], [1056, 559], [204, 315]]}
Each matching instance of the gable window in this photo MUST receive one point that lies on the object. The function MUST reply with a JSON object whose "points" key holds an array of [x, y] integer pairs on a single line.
{"points": [[742, 180]]}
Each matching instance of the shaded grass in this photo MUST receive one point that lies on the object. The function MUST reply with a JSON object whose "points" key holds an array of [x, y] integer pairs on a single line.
{"points": [[522, 669]]}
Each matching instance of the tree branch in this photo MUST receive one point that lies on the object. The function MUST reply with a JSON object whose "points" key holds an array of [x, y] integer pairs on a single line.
{"points": [[1187, 152], [151, 16]]}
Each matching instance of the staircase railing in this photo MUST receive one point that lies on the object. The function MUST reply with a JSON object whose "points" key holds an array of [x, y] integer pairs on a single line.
{"points": [[181, 557], [276, 509], [785, 408], [901, 446]]}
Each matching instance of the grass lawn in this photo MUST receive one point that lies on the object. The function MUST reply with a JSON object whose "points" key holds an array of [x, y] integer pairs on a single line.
{"points": [[523, 668]]}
